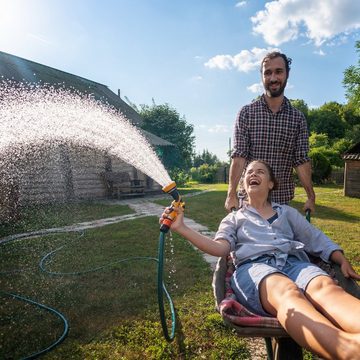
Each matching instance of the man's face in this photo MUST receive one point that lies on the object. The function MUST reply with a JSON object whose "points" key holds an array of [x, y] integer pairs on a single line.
{"points": [[274, 76]]}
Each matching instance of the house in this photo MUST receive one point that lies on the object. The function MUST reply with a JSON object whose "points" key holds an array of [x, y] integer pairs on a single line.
{"points": [[67, 172], [352, 171]]}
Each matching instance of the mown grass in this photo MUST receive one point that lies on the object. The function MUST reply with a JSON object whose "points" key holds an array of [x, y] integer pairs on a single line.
{"points": [[113, 312], [34, 218]]}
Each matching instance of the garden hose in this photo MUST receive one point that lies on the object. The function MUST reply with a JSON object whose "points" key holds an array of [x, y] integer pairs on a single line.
{"points": [[52, 310], [161, 290]]}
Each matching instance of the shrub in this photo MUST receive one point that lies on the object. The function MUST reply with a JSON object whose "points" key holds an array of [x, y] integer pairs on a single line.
{"points": [[321, 166], [204, 173], [181, 177]]}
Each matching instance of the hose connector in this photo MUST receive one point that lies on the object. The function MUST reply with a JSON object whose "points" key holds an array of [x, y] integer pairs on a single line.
{"points": [[173, 191]]}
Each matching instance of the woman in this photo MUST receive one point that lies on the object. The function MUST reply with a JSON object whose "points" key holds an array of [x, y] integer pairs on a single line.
{"points": [[274, 276]]}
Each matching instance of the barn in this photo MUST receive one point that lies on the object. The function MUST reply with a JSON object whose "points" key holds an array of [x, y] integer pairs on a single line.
{"points": [[352, 171]]}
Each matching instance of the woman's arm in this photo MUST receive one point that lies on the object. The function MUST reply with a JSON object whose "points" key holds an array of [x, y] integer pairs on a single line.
{"points": [[219, 247]]}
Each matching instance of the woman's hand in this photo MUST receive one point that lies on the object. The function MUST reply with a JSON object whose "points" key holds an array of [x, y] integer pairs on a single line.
{"points": [[348, 271], [176, 214]]}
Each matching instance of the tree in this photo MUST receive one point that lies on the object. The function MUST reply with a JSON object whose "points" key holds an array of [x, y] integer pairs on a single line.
{"points": [[353, 134], [300, 105], [351, 114], [165, 122], [205, 158], [351, 80], [318, 140], [327, 121]]}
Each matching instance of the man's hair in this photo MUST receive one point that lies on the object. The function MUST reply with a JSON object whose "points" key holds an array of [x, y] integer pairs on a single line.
{"points": [[275, 54]]}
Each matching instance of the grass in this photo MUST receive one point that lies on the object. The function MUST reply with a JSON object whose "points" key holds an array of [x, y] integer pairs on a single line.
{"points": [[113, 312], [54, 215]]}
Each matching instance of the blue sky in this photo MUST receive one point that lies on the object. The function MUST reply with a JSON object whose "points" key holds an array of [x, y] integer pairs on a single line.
{"points": [[200, 56]]}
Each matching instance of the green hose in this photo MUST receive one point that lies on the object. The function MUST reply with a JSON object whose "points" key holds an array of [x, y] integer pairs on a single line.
{"points": [[161, 290], [51, 310]]}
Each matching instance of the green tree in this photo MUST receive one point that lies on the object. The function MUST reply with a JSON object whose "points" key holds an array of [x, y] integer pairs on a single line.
{"points": [[205, 157], [327, 121], [165, 122], [351, 80], [318, 140], [353, 134], [351, 114], [300, 105]]}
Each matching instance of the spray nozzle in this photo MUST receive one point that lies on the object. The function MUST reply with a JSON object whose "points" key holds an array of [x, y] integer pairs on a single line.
{"points": [[171, 190]]}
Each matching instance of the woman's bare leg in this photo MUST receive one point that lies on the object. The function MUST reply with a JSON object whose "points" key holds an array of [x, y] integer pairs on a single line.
{"points": [[307, 326], [335, 303]]}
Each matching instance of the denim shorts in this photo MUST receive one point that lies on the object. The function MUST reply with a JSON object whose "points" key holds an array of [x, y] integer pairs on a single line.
{"points": [[247, 277]]}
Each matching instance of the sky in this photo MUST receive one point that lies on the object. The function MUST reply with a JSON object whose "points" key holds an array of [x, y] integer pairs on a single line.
{"points": [[201, 57]]}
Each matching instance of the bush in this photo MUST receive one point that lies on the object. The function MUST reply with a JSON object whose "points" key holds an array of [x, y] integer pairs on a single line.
{"points": [[204, 173], [181, 177], [321, 166]]}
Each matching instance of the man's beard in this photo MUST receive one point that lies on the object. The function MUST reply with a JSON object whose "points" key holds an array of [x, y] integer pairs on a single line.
{"points": [[275, 93]]}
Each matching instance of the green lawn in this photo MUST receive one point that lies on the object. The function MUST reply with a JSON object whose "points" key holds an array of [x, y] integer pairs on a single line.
{"points": [[113, 312], [34, 218]]}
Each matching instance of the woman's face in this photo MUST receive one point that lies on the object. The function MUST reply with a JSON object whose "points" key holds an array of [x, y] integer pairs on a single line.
{"points": [[257, 179]]}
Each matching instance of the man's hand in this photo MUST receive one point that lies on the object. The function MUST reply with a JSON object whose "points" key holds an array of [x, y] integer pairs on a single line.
{"points": [[236, 169], [231, 202], [304, 174], [309, 205]]}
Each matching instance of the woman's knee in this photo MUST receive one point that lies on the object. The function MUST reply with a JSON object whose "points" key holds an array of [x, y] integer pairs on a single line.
{"points": [[321, 287], [276, 289]]}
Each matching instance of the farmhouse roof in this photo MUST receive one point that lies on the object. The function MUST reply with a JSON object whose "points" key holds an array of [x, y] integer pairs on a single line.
{"points": [[353, 153], [22, 70]]}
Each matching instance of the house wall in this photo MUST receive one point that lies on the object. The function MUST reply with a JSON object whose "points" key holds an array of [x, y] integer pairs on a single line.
{"points": [[352, 178], [60, 173]]}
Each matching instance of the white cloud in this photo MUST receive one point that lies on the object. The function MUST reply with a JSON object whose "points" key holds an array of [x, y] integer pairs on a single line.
{"points": [[257, 88], [245, 60], [240, 4], [320, 20], [320, 52], [196, 78], [219, 129]]}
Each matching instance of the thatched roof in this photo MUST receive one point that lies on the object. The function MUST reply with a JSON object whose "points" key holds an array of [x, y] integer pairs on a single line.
{"points": [[22, 70], [353, 153]]}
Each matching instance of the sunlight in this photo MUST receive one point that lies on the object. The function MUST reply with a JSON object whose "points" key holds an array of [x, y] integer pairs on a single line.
{"points": [[21, 26], [11, 15]]}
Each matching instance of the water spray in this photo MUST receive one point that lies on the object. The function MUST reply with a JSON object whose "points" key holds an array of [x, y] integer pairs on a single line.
{"points": [[164, 228]]}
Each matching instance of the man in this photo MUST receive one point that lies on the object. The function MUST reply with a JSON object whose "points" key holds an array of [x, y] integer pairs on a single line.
{"points": [[271, 129]]}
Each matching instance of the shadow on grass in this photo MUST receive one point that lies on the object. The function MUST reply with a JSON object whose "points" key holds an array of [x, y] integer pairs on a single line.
{"points": [[328, 213]]}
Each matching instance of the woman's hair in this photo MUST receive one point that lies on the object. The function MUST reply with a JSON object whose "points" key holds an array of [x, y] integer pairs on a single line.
{"points": [[271, 176]]}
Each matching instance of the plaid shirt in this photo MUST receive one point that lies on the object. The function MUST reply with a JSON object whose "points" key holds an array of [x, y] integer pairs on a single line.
{"points": [[281, 139]]}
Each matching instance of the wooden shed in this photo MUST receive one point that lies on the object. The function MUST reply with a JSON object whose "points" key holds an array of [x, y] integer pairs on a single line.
{"points": [[352, 171], [64, 172]]}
